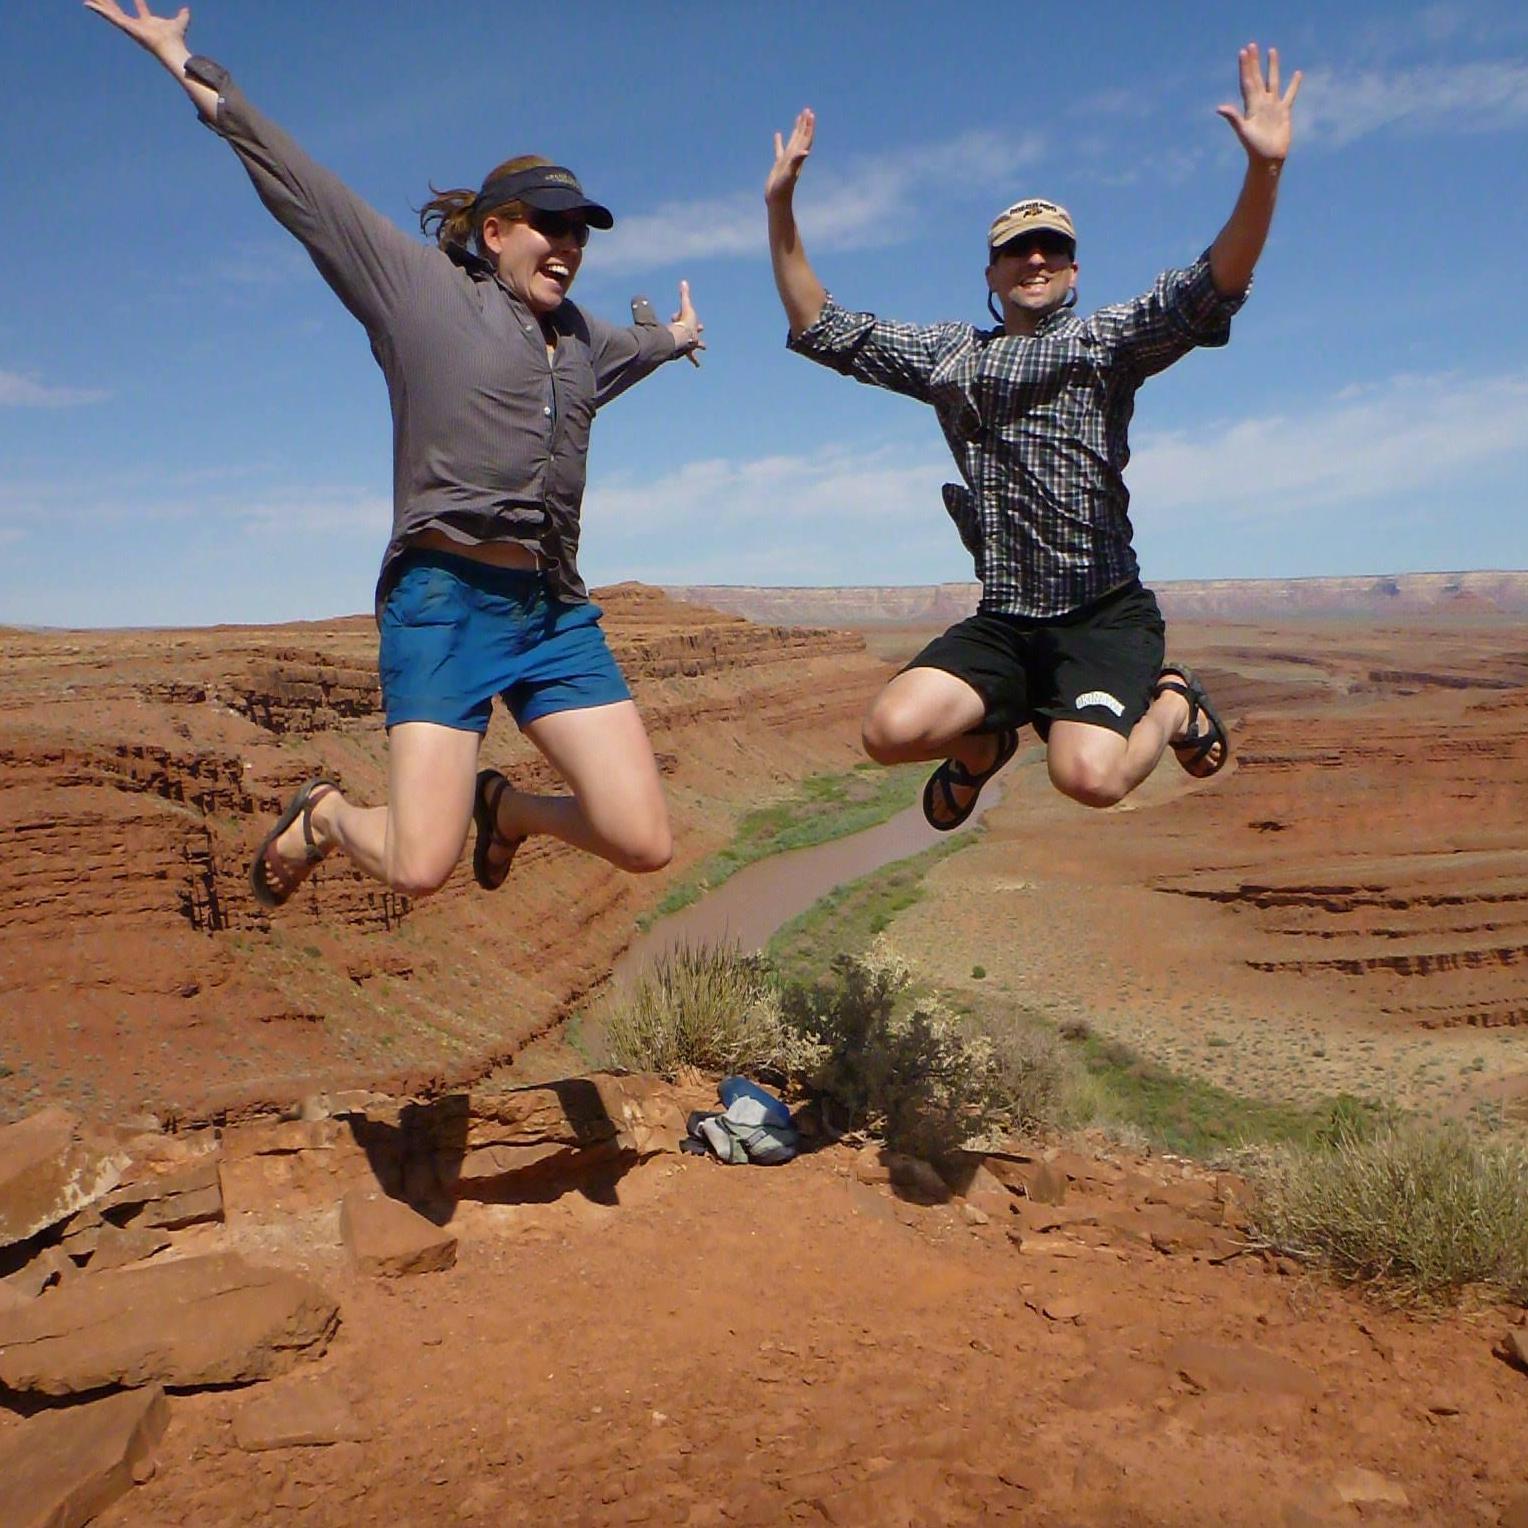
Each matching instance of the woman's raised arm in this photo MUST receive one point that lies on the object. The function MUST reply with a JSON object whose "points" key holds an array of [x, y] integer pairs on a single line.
{"points": [[369, 261], [165, 38], [801, 293]]}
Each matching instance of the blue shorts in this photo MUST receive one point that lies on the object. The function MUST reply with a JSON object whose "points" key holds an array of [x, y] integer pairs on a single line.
{"points": [[456, 632]]}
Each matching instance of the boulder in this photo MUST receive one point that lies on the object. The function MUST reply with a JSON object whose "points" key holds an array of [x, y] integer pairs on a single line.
{"points": [[50, 1166], [214, 1320], [1514, 1347], [118, 1246], [62, 1468], [48, 1267], [168, 1201], [1041, 1182], [290, 1166], [537, 1142], [384, 1236], [1360, 1487]]}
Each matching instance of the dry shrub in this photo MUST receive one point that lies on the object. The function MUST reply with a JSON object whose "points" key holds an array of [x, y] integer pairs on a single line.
{"points": [[904, 1066], [709, 1007], [1421, 1210]]}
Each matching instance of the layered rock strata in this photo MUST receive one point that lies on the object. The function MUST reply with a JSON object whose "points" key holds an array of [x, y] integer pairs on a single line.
{"points": [[138, 770]]}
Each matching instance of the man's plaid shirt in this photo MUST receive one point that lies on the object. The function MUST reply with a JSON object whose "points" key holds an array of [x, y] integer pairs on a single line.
{"points": [[1038, 427]]}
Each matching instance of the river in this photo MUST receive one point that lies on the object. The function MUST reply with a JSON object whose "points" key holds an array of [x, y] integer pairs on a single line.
{"points": [[748, 907]]}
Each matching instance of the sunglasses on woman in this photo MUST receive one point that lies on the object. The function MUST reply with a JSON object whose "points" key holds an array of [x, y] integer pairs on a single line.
{"points": [[558, 225]]}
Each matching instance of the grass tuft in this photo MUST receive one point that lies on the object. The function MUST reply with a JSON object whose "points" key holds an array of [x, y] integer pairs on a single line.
{"points": [[708, 1007], [1419, 1209]]}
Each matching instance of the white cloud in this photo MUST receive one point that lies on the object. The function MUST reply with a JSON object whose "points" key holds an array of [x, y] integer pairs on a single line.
{"points": [[1398, 437], [870, 202], [202, 496], [311, 510], [848, 515], [18, 391], [258, 263], [837, 515], [1337, 108]]}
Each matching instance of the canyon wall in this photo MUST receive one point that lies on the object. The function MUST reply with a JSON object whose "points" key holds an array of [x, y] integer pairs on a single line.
{"points": [[139, 769]]}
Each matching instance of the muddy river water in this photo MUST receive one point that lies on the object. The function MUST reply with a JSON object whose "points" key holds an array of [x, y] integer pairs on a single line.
{"points": [[747, 908]]}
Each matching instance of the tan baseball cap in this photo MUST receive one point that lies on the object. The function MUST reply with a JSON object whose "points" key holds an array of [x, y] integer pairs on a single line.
{"points": [[1026, 217]]}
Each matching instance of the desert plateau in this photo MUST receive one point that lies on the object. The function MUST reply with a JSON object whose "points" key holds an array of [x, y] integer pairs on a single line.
{"points": [[332, 1215]]}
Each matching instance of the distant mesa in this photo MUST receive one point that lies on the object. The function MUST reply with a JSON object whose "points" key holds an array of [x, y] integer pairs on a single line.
{"points": [[1484, 594]]}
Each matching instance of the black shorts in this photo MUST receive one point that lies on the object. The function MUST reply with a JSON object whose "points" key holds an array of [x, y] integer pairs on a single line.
{"points": [[1097, 664]]}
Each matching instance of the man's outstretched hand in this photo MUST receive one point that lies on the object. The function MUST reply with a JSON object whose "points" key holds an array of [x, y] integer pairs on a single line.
{"points": [[1264, 122], [789, 157]]}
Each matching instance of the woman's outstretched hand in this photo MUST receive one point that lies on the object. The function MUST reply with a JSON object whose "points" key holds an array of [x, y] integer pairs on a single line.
{"points": [[686, 326], [1263, 124], [789, 158], [163, 36]]}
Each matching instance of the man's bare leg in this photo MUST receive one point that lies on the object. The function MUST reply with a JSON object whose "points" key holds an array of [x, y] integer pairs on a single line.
{"points": [[926, 713], [1098, 767]]}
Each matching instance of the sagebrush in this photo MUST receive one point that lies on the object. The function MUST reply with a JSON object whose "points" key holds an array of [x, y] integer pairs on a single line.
{"points": [[1418, 1209], [709, 1007], [903, 1065]]}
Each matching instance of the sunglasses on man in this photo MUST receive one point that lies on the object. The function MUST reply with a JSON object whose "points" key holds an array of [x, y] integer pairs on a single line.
{"points": [[1054, 246]]}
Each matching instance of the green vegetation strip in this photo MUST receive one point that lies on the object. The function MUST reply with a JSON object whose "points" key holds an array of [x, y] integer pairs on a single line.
{"points": [[1197, 1119], [851, 915], [823, 807]]}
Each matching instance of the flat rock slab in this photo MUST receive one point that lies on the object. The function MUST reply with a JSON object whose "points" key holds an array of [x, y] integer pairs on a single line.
{"points": [[384, 1236], [214, 1320], [116, 1248], [63, 1467], [50, 1166], [1209, 1366], [307, 1415]]}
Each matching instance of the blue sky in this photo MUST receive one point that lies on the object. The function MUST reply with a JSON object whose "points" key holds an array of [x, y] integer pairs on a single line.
{"points": [[193, 430]]}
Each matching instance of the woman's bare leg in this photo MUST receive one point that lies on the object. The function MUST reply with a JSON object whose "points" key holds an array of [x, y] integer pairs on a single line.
{"points": [[414, 842], [617, 810]]}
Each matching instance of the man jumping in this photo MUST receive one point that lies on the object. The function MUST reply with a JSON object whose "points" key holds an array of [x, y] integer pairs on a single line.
{"points": [[1036, 413]]}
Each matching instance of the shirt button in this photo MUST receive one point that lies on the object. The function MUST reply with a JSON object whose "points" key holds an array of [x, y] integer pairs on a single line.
{"points": [[547, 411]]}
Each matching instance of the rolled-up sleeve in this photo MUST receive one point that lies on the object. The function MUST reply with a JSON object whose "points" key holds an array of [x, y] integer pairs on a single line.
{"points": [[624, 354], [371, 264], [877, 351], [1182, 311]]}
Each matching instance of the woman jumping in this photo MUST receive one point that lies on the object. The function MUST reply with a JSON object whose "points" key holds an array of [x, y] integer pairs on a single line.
{"points": [[1036, 413], [494, 378]]}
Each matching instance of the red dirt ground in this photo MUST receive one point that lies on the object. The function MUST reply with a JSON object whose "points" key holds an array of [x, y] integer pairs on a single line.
{"points": [[769, 1346]]}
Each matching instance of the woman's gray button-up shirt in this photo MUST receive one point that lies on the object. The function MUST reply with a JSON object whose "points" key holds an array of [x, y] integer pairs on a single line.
{"points": [[490, 429]]}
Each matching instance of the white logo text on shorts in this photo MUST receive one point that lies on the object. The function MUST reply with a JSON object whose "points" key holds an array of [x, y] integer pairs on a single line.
{"points": [[1099, 698]]}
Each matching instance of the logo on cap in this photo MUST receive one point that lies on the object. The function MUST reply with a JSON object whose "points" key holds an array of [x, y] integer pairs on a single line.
{"points": [[1028, 216]]}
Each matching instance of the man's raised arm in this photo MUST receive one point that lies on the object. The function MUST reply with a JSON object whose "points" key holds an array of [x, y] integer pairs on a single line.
{"points": [[801, 292], [1263, 125]]}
